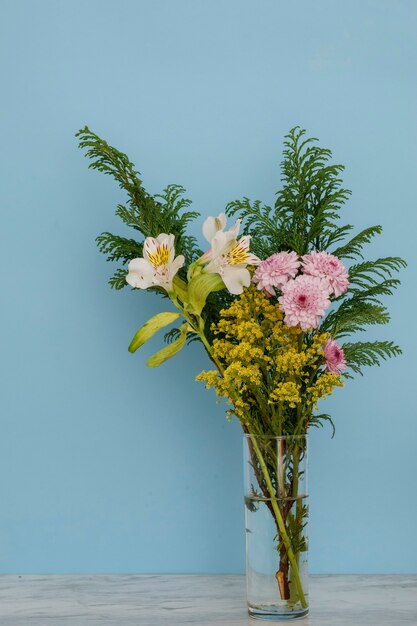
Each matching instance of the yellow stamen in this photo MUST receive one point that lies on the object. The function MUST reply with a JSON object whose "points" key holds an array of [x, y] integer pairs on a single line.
{"points": [[160, 257], [237, 254]]}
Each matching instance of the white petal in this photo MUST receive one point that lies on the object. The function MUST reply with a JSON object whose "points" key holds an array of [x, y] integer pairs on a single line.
{"points": [[176, 264], [212, 225], [253, 259], [235, 278], [245, 242], [141, 274], [234, 231], [150, 246], [168, 240], [172, 270], [219, 243], [213, 267], [139, 265]]}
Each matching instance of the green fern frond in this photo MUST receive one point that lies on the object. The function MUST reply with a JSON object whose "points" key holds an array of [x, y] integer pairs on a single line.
{"points": [[353, 315], [312, 195], [257, 218], [353, 248], [373, 292], [130, 216], [118, 248], [107, 159], [368, 272], [306, 208], [149, 215], [318, 421], [172, 335], [173, 206], [118, 280], [331, 236], [360, 354]]}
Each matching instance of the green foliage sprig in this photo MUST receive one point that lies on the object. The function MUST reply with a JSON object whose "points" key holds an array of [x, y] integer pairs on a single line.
{"points": [[306, 217], [148, 214]]}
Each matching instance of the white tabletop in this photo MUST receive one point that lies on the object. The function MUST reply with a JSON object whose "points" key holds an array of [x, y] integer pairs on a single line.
{"points": [[158, 600]]}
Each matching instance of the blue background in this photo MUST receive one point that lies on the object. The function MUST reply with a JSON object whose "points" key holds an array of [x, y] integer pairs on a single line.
{"points": [[107, 466]]}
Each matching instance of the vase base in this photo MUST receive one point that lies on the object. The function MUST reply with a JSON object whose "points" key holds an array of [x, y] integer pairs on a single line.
{"points": [[273, 615]]}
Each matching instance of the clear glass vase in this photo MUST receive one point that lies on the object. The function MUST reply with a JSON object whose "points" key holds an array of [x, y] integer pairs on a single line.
{"points": [[276, 514]]}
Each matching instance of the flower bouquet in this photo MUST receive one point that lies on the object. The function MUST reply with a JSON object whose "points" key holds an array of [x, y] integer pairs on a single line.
{"points": [[275, 308]]}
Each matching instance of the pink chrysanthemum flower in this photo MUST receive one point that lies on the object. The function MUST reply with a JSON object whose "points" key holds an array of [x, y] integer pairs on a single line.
{"points": [[275, 271], [304, 301], [328, 266], [334, 355]]}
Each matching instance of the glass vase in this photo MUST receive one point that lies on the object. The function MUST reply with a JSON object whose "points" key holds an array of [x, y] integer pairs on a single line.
{"points": [[276, 514]]}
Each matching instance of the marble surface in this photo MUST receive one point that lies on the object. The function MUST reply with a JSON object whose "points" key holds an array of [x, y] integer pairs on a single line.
{"points": [[174, 600]]}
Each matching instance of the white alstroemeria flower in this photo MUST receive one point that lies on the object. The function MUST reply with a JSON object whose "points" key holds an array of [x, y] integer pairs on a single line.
{"points": [[229, 258], [158, 265], [215, 226]]}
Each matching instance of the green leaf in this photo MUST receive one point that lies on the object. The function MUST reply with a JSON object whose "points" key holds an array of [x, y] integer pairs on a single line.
{"points": [[200, 287], [170, 350], [180, 288], [150, 328]]}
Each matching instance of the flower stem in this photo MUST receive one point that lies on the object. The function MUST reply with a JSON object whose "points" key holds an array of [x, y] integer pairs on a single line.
{"points": [[281, 525], [197, 326]]}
